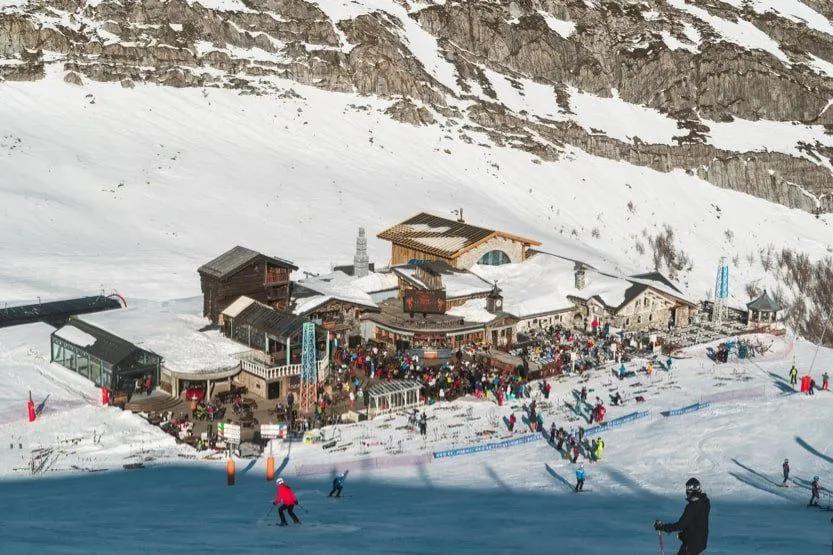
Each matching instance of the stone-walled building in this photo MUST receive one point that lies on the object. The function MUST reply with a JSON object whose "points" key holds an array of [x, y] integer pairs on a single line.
{"points": [[460, 245]]}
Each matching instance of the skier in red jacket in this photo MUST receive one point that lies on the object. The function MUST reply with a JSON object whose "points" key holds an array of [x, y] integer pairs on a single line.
{"points": [[286, 501]]}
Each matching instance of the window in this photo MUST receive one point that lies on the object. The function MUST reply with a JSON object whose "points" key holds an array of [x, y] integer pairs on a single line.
{"points": [[494, 258], [57, 351], [95, 371], [82, 364]]}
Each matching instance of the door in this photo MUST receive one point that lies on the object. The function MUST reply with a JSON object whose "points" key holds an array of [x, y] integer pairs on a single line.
{"points": [[273, 390]]}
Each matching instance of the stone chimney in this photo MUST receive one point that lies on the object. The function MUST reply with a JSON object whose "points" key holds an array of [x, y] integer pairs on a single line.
{"points": [[580, 271], [361, 263]]}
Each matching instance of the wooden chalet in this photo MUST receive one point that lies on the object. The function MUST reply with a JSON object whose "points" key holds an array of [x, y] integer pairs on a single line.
{"points": [[273, 363], [244, 272], [461, 245]]}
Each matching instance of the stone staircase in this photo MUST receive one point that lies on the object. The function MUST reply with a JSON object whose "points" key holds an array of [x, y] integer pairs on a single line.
{"points": [[154, 403]]}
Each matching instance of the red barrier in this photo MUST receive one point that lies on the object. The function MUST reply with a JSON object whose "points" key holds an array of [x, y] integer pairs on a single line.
{"points": [[230, 469], [105, 396], [805, 384]]}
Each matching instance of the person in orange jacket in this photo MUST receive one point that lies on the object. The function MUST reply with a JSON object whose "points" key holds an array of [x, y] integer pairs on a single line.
{"points": [[285, 500]]}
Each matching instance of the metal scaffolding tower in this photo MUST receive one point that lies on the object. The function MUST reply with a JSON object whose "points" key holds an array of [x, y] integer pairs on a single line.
{"points": [[721, 291], [309, 369]]}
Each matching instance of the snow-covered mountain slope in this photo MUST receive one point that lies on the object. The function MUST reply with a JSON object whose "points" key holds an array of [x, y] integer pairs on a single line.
{"points": [[511, 500], [739, 96], [139, 139], [132, 189]]}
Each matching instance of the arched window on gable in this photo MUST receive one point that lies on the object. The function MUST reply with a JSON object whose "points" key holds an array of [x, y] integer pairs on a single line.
{"points": [[494, 258]]}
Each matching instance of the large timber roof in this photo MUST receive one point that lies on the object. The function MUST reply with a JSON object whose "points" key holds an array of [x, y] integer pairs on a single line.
{"points": [[232, 260], [442, 236]]}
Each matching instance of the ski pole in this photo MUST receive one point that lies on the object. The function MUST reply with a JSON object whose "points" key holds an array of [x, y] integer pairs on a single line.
{"points": [[271, 508], [661, 546]]}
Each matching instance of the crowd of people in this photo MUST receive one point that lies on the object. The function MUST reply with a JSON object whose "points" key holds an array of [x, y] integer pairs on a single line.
{"points": [[464, 374], [558, 350]]}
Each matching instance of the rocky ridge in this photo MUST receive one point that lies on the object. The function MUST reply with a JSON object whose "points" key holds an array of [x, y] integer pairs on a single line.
{"points": [[440, 63]]}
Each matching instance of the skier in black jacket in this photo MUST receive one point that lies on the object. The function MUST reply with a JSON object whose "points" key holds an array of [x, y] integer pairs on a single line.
{"points": [[693, 526]]}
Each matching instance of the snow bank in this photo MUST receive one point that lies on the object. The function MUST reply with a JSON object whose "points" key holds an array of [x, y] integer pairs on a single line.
{"points": [[560, 26], [544, 282], [473, 310], [793, 10], [622, 120], [336, 285], [525, 95], [171, 330], [740, 32], [75, 336]]}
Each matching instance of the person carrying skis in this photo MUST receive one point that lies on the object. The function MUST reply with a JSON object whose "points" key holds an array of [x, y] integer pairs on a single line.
{"points": [[286, 501], [793, 375], [786, 469], [580, 477], [338, 484], [814, 492], [693, 526]]}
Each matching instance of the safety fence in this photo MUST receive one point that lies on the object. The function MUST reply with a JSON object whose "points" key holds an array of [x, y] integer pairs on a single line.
{"points": [[378, 463], [366, 464], [487, 446], [685, 410], [616, 422]]}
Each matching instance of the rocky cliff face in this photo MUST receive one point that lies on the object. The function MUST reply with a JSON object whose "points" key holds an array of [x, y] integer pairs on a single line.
{"points": [[480, 66]]}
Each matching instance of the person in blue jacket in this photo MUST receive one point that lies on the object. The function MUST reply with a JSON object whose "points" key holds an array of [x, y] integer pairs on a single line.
{"points": [[338, 484], [580, 477]]}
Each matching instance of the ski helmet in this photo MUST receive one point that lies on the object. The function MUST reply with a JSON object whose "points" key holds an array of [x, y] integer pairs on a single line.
{"points": [[279, 481], [786, 460], [815, 478], [692, 486]]}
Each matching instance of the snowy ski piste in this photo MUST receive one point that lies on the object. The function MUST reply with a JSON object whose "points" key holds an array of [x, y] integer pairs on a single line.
{"points": [[513, 499]]}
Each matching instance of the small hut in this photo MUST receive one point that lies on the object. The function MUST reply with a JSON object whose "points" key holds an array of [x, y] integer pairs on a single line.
{"points": [[392, 396], [763, 311]]}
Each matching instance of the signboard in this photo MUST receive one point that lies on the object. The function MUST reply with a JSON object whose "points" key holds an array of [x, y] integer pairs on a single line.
{"points": [[229, 432], [423, 302], [273, 431]]}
